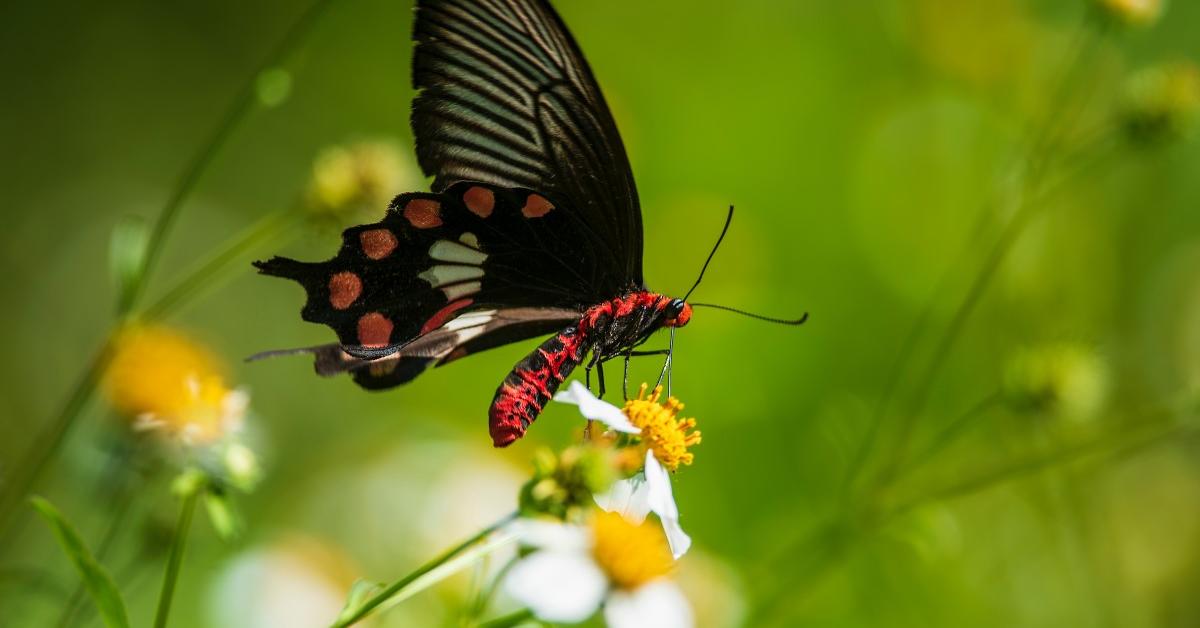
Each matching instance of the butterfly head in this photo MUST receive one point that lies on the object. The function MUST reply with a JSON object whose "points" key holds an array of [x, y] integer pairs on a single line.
{"points": [[676, 313]]}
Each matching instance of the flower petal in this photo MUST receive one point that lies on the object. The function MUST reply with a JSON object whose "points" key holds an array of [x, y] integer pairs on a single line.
{"points": [[630, 498], [557, 586], [657, 604], [662, 502], [593, 408], [551, 535]]}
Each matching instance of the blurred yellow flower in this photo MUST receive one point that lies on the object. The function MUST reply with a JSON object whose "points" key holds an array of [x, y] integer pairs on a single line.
{"points": [[1132, 12], [167, 382], [356, 177], [1162, 102]]}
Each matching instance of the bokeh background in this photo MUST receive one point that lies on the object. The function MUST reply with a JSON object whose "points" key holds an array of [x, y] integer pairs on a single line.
{"points": [[1004, 288]]}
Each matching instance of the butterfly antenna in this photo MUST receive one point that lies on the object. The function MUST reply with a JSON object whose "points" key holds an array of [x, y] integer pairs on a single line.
{"points": [[728, 219], [780, 321]]}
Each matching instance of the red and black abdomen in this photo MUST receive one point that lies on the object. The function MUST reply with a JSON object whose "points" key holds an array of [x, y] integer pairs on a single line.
{"points": [[532, 383]]}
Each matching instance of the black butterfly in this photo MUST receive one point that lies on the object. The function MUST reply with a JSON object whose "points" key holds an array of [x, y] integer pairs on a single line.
{"points": [[533, 225]]}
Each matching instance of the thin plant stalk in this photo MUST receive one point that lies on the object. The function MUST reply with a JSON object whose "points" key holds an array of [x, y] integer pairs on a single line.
{"points": [[1039, 147], [951, 432], [398, 587], [515, 618], [30, 467], [175, 560], [49, 439], [237, 112], [212, 270]]}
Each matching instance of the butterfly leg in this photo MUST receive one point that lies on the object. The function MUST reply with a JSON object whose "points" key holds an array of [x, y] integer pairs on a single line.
{"points": [[635, 354], [600, 378], [666, 369], [625, 380]]}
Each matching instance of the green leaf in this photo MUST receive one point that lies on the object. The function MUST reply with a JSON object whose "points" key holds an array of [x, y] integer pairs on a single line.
{"points": [[221, 514], [97, 581], [126, 256], [273, 87], [360, 592]]}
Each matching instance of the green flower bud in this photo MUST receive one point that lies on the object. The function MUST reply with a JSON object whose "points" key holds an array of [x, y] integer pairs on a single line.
{"points": [[1060, 380], [1162, 103]]}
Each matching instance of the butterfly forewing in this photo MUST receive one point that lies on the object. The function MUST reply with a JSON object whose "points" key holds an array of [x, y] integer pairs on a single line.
{"points": [[437, 257], [507, 98]]}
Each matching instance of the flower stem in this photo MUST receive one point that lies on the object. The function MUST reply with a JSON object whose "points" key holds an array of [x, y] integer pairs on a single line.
{"points": [[30, 467], [950, 433], [237, 112], [512, 619], [398, 587], [27, 471], [210, 271], [175, 560], [1105, 448]]}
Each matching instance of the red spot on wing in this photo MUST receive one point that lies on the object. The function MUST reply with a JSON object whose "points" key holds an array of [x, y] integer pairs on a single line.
{"points": [[480, 200], [344, 288], [423, 213], [441, 316], [374, 330], [536, 206], [378, 243]]}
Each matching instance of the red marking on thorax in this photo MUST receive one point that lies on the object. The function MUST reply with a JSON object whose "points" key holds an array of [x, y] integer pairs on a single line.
{"points": [[441, 316], [374, 330], [344, 288], [377, 243], [620, 307], [423, 213]]}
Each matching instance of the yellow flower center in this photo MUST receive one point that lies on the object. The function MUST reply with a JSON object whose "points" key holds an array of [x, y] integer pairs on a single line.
{"points": [[631, 555], [668, 436], [165, 380]]}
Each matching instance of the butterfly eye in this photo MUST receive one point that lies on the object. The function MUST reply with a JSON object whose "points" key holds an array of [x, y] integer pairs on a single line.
{"points": [[675, 308]]}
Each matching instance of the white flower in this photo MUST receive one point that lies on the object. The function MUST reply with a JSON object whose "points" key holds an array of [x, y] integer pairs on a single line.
{"points": [[612, 563], [650, 490]]}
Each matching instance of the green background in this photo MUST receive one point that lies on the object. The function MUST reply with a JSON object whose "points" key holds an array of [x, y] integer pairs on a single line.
{"points": [[873, 150]]}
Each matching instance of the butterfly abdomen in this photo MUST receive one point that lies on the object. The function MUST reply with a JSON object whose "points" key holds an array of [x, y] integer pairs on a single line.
{"points": [[532, 382]]}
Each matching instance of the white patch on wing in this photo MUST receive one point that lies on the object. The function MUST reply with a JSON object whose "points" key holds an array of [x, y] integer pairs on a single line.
{"points": [[457, 290], [470, 240], [440, 274], [447, 251], [470, 319]]}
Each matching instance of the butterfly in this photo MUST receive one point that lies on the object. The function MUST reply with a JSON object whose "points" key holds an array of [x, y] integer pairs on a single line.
{"points": [[532, 227]]}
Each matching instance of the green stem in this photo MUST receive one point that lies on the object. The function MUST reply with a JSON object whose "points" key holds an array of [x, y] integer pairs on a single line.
{"points": [[207, 273], [31, 465], [397, 587], [950, 433], [508, 621], [242, 104], [1104, 448], [1038, 145], [484, 599], [175, 560], [43, 448]]}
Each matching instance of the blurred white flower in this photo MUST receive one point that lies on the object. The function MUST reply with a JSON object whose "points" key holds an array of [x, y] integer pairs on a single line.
{"points": [[612, 563], [297, 583]]}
